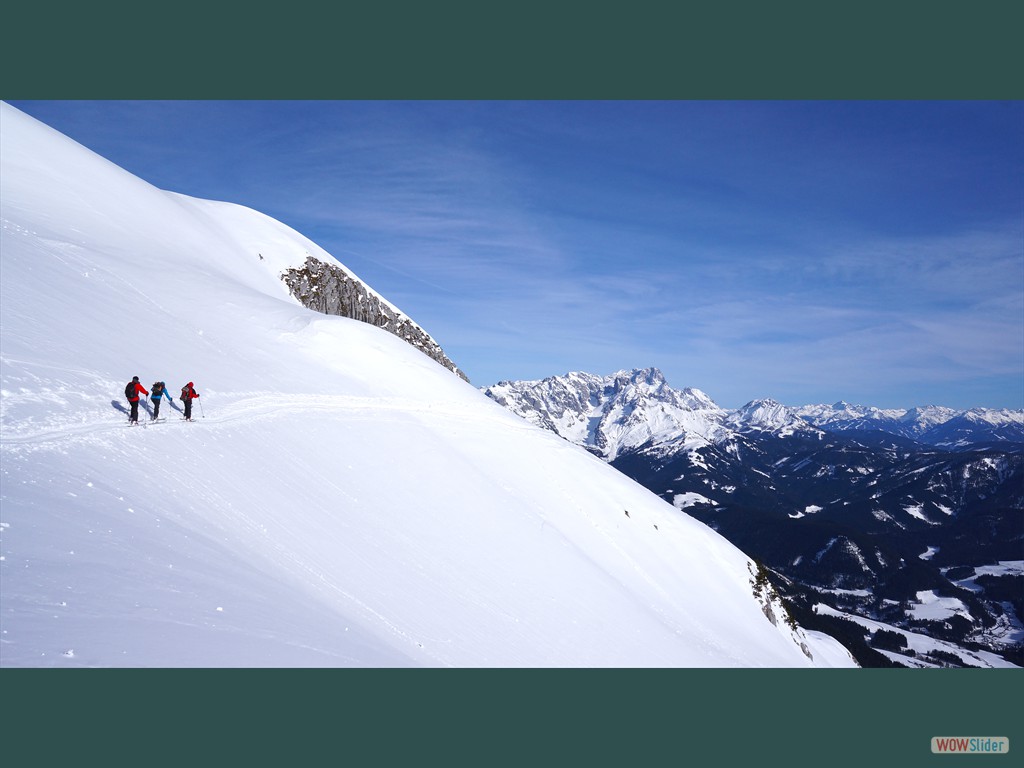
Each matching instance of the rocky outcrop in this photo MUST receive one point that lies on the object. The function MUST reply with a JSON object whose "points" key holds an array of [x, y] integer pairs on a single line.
{"points": [[331, 290]]}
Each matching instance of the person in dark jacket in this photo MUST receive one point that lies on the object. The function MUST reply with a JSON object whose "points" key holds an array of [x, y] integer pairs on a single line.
{"points": [[159, 389], [132, 393], [188, 394]]}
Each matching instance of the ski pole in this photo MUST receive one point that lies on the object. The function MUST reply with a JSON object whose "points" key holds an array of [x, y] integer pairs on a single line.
{"points": [[201, 407]]}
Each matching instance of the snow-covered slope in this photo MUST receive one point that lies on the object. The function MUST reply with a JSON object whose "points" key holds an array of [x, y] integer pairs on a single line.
{"points": [[341, 498]]}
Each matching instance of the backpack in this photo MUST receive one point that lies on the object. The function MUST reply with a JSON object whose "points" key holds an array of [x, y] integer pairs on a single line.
{"points": [[129, 390], [157, 389], [184, 392]]}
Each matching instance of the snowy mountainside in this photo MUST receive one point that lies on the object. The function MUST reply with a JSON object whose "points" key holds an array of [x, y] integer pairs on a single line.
{"points": [[341, 499], [829, 497]]}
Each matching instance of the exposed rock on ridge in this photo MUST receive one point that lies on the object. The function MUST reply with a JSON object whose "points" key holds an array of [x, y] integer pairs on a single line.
{"points": [[331, 290]]}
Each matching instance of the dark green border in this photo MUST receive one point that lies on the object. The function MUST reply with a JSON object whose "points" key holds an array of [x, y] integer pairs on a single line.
{"points": [[733, 49], [916, 50], [502, 717]]}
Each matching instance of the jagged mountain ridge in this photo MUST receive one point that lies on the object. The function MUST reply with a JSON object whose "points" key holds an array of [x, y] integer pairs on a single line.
{"points": [[611, 414], [935, 425], [830, 505], [622, 411]]}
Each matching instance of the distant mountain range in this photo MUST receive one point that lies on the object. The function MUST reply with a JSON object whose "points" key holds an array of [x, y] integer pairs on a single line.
{"points": [[608, 414], [931, 424], [912, 518]]}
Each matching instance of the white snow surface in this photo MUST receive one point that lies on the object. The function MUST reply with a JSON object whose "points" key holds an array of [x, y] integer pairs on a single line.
{"points": [[810, 509], [340, 499], [933, 607], [689, 499]]}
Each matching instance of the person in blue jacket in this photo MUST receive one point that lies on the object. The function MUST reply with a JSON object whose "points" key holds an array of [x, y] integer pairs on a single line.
{"points": [[157, 391]]}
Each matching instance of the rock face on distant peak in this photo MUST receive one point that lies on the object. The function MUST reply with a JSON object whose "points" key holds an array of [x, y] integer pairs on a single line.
{"points": [[612, 414], [331, 290]]}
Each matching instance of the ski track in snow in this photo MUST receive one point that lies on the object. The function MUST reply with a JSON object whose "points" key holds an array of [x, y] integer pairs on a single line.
{"points": [[226, 409]]}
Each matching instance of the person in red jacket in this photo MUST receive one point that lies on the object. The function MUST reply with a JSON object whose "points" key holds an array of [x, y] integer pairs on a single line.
{"points": [[131, 391], [188, 394]]}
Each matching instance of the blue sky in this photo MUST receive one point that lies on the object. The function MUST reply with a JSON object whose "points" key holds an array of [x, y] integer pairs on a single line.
{"points": [[805, 251]]}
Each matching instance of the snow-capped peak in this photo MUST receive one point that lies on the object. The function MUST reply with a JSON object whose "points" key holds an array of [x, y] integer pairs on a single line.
{"points": [[994, 416], [768, 415], [615, 413], [922, 418], [843, 412]]}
